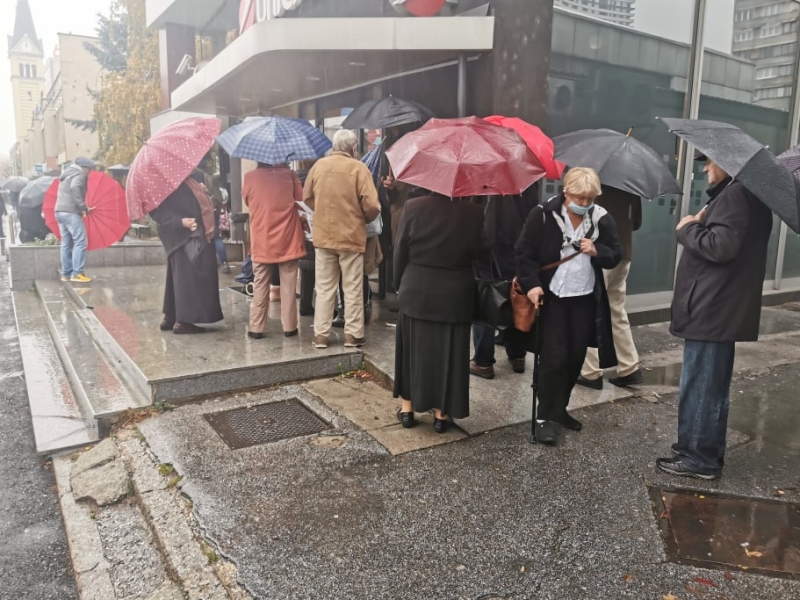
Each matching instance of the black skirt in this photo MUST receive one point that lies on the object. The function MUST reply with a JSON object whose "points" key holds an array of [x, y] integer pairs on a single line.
{"points": [[192, 289], [432, 365]]}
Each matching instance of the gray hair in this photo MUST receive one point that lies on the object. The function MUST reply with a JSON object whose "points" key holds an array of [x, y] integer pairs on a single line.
{"points": [[345, 140]]}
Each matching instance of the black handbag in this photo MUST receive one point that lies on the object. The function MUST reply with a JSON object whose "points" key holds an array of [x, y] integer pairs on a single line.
{"points": [[493, 300]]}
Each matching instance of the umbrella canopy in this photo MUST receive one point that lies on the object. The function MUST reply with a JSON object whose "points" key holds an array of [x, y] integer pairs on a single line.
{"points": [[465, 157], [748, 161], [373, 161], [621, 162], [15, 184], [791, 160], [32, 195], [541, 145], [385, 113], [274, 140], [166, 160], [107, 222]]}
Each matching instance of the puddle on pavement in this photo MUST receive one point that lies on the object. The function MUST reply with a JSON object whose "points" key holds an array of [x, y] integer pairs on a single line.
{"points": [[669, 375], [719, 531]]}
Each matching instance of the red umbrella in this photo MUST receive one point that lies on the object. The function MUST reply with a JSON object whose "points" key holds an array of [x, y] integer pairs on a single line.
{"points": [[541, 145], [465, 157], [108, 219], [166, 160]]}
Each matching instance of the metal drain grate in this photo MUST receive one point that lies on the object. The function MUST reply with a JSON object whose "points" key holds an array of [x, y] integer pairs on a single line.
{"points": [[265, 423], [720, 531]]}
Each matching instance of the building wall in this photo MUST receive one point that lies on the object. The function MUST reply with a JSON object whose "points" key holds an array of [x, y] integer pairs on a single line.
{"points": [[79, 71], [756, 38], [619, 12], [26, 89]]}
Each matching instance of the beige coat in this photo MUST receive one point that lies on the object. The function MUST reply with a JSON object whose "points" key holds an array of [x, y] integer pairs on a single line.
{"points": [[341, 192]]}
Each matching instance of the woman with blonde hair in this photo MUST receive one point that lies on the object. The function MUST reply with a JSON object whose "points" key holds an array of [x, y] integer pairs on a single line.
{"points": [[564, 246]]}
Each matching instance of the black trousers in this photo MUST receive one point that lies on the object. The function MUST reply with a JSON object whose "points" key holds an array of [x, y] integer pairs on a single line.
{"points": [[567, 330]]}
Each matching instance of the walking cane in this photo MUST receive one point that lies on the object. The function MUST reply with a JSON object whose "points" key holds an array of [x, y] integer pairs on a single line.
{"points": [[535, 384]]}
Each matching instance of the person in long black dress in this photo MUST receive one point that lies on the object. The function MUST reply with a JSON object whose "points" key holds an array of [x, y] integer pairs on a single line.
{"points": [[437, 241], [186, 228]]}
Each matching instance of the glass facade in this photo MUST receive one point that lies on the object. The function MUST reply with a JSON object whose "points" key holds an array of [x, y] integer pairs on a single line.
{"points": [[606, 76]]}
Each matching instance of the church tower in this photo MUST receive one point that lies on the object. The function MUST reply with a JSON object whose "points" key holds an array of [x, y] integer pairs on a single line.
{"points": [[26, 53]]}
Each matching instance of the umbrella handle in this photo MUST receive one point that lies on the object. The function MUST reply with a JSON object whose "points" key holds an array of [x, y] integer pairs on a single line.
{"points": [[535, 384]]}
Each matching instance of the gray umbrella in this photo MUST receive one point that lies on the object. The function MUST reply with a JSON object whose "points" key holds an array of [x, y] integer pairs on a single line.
{"points": [[15, 184], [746, 160], [32, 195], [621, 162]]}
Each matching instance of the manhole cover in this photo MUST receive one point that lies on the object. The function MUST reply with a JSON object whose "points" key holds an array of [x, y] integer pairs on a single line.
{"points": [[720, 531], [265, 423]]}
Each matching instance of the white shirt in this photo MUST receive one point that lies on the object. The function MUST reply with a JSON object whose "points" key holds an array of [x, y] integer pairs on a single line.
{"points": [[576, 277]]}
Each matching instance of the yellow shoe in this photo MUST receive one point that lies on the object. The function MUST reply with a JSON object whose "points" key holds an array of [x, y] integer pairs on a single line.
{"points": [[80, 278]]}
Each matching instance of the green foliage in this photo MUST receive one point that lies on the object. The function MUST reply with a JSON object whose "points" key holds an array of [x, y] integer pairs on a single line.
{"points": [[90, 126], [112, 31]]}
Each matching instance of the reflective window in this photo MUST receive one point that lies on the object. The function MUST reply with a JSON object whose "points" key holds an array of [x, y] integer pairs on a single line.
{"points": [[606, 76]]}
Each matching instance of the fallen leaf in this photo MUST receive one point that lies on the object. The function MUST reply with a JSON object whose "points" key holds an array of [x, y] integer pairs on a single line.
{"points": [[780, 492], [702, 497], [669, 597], [694, 591], [628, 578], [705, 581], [754, 553], [522, 570], [663, 515], [729, 576]]}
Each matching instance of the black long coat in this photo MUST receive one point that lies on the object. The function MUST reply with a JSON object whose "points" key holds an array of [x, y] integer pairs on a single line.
{"points": [[540, 245], [437, 241], [721, 274]]}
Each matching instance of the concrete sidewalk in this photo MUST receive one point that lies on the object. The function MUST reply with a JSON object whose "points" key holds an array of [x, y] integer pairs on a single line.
{"points": [[367, 510]]}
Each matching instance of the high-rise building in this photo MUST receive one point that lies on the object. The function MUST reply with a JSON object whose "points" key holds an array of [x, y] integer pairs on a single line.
{"points": [[26, 54], [619, 12], [766, 33]]}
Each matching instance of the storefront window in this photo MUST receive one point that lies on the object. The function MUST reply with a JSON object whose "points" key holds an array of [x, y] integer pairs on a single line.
{"points": [[617, 77], [750, 83]]}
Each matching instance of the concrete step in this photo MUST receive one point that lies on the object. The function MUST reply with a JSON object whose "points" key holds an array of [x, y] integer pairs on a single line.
{"points": [[59, 421], [96, 381], [122, 311]]}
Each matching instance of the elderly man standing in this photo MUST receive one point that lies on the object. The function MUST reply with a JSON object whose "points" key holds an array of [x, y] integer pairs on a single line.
{"points": [[70, 210], [340, 191], [717, 302]]}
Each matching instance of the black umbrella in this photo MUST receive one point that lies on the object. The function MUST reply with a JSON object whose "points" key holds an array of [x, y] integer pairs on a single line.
{"points": [[621, 162], [385, 113], [32, 195], [748, 161], [15, 184]]}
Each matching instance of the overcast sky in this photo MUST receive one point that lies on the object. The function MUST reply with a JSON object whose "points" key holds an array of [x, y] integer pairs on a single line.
{"points": [[50, 17], [673, 19]]}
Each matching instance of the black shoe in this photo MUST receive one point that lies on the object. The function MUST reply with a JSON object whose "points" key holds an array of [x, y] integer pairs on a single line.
{"points": [[635, 378], [255, 335], [546, 433], [676, 454], [675, 466], [166, 324], [571, 423], [595, 384], [308, 312], [440, 425], [290, 333], [517, 365], [407, 419], [338, 322], [187, 328]]}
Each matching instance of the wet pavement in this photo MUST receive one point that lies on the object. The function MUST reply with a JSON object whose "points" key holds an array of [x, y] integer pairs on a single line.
{"points": [[35, 561], [491, 516]]}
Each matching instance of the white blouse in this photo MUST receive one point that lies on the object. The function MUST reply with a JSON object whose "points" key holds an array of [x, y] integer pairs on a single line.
{"points": [[576, 277]]}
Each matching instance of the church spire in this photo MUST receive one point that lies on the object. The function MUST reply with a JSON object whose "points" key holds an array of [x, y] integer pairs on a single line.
{"points": [[24, 26]]}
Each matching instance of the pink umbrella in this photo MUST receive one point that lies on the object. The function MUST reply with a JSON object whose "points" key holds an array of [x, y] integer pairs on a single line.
{"points": [[166, 160], [541, 145]]}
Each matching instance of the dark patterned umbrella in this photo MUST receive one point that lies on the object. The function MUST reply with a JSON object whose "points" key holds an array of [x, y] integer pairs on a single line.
{"points": [[373, 161], [748, 161], [791, 160]]}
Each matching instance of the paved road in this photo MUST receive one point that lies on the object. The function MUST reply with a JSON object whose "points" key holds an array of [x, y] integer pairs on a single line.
{"points": [[35, 561]]}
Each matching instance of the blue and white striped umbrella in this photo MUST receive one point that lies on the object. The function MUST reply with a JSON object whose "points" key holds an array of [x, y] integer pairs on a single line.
{"points": [[274, 140], [373, 161]]}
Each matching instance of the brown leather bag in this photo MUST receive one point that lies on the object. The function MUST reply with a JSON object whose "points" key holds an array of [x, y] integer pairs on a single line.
{"points": [[524, 312]]}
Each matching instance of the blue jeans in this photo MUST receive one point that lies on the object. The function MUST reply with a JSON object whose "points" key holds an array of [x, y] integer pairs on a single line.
{"points": [[483, 338], [703, 404], [219, 245], [73, 243]]}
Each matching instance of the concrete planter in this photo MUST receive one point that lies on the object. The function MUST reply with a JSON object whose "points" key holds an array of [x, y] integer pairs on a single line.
{"points": [[31, 263]]}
